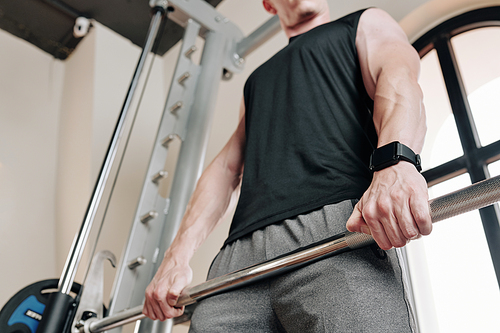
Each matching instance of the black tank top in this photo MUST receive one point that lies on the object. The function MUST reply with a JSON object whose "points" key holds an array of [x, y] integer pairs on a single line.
{"points": [[309, 129]]}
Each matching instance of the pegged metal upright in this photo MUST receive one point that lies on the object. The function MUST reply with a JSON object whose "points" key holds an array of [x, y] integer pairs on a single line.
{"points": [[186, 121]]}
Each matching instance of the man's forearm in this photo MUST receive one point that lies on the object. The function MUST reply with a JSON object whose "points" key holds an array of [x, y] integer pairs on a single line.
{"points": [[214, 194], [399, 113], [216, 189], [394, 209], [390, 67]]}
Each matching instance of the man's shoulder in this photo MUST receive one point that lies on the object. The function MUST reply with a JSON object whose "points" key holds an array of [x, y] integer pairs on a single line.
{"points": [[348, 21], [353, 16], [375, 17]]}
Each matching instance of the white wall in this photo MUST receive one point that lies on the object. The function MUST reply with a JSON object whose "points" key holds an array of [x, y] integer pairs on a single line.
{"points": [[30, 94], [56, 123]]}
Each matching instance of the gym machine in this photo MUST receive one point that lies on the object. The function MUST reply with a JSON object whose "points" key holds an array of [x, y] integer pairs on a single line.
{"points": [[186, 118], [187, 115]]}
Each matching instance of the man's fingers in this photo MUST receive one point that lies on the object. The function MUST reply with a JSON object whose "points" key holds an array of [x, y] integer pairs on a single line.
{"points": [[406, 222], [159, 303], [380, 235], [172, 299], [162, 308], [159, 307], [175, 290], [421, 213], [376, 215], [356, 222], [147, 310], [148, 303], [154, 311], [168, 310]]}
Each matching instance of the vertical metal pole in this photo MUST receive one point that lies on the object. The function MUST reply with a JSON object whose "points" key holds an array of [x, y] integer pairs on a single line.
{"points": [[193, 149], [78, 246], [59, 311]]}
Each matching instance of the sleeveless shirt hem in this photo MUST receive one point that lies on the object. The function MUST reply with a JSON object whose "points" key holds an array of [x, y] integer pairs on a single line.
{"points": [[290, 213]]}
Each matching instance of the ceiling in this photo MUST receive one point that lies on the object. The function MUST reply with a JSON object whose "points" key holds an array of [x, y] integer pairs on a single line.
{"points": [[48, 24]]}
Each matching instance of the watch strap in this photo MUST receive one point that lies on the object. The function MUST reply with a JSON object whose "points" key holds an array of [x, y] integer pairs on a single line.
{"points": [[390, 154]]}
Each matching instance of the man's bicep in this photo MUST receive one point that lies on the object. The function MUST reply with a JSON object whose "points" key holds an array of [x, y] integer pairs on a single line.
{"points": [[381, 42], [233, 154]]}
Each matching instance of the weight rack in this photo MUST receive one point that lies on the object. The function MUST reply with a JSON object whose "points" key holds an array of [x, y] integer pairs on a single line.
{"points": [[185, 121]]}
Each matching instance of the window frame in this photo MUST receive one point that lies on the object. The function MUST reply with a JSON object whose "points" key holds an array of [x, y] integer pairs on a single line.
{"points": [[475, 159]]}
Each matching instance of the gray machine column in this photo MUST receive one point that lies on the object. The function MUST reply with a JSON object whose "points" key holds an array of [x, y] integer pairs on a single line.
{"points": [[187, 116], [192, 154], [142, 249]]}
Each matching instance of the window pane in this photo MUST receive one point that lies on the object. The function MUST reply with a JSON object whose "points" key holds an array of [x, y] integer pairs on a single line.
{"points": [[477, 57], [441, 128], [494, 169], [465, 291], [449, 186]]}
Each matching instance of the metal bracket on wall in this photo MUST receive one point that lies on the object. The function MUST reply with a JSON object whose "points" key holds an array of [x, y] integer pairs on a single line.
{"points": [[92, 300]]}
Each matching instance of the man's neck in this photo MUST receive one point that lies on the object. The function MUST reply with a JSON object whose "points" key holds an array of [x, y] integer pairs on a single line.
{"points": [[307, 25]]}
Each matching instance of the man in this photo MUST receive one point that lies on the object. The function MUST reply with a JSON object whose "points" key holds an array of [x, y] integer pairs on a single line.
{"points": [[310, 119]]}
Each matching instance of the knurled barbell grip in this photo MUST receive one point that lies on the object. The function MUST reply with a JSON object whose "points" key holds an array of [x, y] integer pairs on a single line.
{"points": [[356, 240], [476, 196]]}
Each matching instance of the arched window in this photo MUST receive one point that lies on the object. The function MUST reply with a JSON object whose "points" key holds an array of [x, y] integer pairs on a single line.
{"points": [[461, 82]]}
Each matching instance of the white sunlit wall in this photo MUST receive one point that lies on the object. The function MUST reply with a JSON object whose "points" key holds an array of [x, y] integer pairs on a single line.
{"points": [[454, 282]]}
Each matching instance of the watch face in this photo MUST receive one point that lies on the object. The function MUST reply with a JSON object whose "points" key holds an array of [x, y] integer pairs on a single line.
{"points": [[383, 157]]}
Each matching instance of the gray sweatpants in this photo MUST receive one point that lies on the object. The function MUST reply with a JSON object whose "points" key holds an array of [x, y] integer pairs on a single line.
{"points": [[353, 292]]}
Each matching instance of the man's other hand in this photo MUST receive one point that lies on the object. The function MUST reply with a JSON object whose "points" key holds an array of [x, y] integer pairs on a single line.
{"points": [[165, 288]]}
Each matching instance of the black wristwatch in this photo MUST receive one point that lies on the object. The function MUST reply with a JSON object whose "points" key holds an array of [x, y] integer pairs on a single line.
{"points": [[391, 154]]}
